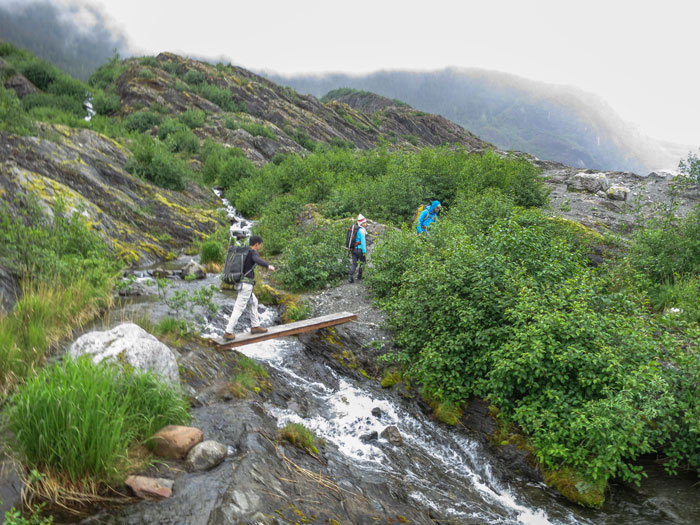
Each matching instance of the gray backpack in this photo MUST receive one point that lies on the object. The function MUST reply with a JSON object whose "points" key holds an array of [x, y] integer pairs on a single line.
{"points": [[235, 260]]}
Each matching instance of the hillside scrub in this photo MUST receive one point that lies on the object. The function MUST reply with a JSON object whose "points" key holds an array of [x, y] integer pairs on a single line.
{"points": [[67, 272], [501, 303]]}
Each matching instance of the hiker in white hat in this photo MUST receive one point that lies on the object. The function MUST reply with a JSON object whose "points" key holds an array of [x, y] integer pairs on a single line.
{"points": [[358, 248]]}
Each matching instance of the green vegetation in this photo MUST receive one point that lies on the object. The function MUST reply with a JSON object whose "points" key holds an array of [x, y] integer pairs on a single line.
{"points": [[67, 272], [690, 167], [212, 252], [299, 436], [250, 376], [76, 421]]}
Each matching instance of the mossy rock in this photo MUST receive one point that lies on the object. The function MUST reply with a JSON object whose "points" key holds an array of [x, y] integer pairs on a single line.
{"points": [[576, 488]]}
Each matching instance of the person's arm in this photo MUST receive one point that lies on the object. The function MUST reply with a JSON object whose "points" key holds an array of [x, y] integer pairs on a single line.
{"points": [[258, 260]]}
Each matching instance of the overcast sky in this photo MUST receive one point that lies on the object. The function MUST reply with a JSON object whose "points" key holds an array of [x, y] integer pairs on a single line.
{"points": [[641, 57]]}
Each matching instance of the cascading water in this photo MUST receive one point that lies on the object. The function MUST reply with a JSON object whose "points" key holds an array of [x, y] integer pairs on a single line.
{"points": [[443, 470]]}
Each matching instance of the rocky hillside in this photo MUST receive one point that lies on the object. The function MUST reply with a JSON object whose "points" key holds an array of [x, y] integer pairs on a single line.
{"points": [[294, 122]]}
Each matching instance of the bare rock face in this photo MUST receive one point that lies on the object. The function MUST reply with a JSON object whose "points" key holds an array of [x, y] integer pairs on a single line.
{"points": [[175, 441], [129, 343], [205, 455]]}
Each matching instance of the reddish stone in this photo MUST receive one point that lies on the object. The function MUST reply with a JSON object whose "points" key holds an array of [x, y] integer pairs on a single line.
{"points": [[174, 442], [148, 488]]}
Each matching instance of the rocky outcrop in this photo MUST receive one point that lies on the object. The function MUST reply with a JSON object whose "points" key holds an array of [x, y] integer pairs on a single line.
{"points": [[294, 121]]}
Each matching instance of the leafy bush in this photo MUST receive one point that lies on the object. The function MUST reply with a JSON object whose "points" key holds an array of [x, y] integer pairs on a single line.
{"points": [[277, 224], [40, 73], [78, 419], [154, 162], [142, 121], [312, 260], [12, 115], [192, 118], [105, 103], [258, 130], [108, 73], [183, 141], [60, 102], [194, 77], [690, 167], [220, 96], [234, 169], [149, 61]]}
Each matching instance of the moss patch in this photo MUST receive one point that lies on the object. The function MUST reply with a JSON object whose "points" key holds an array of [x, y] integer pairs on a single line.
{"points": [[575, 488]]}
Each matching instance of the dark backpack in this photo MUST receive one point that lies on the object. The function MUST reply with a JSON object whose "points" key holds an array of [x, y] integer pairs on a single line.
{"points": [[351, 241], [235, 260]]}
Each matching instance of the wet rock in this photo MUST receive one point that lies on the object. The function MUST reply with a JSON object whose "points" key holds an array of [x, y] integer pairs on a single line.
{"points": [[160, 273], [370, 436], [175, 441], [192, 268], [392, 435], [206, 455], [377, 412], [134, 289], [128, 343], [150, 488]]}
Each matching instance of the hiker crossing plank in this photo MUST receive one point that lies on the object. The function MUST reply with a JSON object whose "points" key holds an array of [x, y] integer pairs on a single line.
{"points": [[282, 330]]}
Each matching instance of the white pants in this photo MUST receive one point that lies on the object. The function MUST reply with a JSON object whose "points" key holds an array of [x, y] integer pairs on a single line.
{"points": [[245, 299]]}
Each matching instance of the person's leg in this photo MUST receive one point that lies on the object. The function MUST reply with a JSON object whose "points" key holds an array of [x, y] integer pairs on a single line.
{"points": [[245, 290], [360, 266], [353, 266], [254, 316]]}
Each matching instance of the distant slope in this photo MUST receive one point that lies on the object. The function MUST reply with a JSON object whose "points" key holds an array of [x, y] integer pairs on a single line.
{"points": [[52, 32], [552, 122]]}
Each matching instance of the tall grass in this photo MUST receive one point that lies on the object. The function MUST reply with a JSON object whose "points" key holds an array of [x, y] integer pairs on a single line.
{"points": [[44, 315], [77, 420]]}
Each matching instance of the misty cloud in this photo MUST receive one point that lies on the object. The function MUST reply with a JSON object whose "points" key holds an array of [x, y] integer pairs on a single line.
{"points": [[75, 37]]}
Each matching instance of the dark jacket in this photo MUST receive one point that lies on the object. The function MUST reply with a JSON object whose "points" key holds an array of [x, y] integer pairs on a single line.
{"points": [[251, 260]]}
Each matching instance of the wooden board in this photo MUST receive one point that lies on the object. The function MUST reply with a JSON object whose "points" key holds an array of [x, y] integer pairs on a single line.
{"points": [[282, 330]]}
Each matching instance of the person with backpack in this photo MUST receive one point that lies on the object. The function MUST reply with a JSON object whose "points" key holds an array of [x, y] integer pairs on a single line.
{"points": [[358, 248], [428, 216], [246, 298]]}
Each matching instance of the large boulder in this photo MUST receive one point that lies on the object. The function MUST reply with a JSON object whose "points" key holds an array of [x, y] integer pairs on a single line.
{"points": [[589, 182], [129, 344], [175, 441]]}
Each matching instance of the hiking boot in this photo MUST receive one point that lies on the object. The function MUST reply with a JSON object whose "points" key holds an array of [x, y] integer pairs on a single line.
{"points": [[258, 330], [359, 276], [229, 336], [351, 280]]}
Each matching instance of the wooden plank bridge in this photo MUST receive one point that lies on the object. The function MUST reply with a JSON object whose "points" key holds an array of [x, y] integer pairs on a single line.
{"points": [[282, 330]]}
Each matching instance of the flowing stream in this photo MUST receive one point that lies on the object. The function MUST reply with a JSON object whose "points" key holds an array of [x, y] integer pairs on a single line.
{"points": [[446, 471]]}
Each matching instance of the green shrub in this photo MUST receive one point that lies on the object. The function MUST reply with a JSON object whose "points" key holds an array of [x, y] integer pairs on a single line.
{"points": [[194, 77], [170, 67], [149, 61], [142, 121], [220, 96], [108, 73], [277, 224], [40, 73], [153, 162], [78, 419], [312, 260], [183, 141], [106, 103], [690, 167], [146, 73], [258, 130], [60, 102], [212, 252], [192, 118], [12, 115], [234, 169]]}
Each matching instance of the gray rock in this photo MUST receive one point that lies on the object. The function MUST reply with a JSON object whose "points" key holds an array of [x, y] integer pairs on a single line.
{"points": [[392, 435], [588, 182], [129, 343], [205, 455], [193, 268], [617, 193]]}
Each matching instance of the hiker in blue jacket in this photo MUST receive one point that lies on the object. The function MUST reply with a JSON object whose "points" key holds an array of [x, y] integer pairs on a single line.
{"points": [[427, 216], [358, 251]]}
